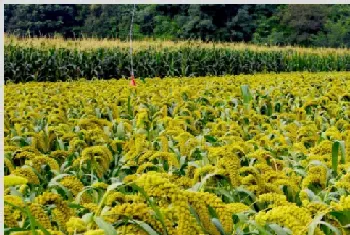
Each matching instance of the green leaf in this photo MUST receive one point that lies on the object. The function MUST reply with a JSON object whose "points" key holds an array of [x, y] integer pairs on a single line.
{"points": [[315, 222], [129, 107], [269, 109], [11, 230], [218, 225], [60, 144], [331, 227], [212, 212], [235, 218], [74, 205], [121, 130], [261, 229], [107, 227], [243, 190], [310, 194], [198, 186], [210, 139], [62, 190], [88, 217], [145, 227], [279, 230], [342, 152], [246, 94], [114, 186], [342, 216], [335, 151], [110, 114], [17, 138]]}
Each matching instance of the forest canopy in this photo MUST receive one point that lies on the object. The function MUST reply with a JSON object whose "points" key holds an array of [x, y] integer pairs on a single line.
{"points": [[304, 25]]}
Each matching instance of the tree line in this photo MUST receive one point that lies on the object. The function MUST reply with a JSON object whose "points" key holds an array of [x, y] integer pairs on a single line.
{"points": [[304, 25]]}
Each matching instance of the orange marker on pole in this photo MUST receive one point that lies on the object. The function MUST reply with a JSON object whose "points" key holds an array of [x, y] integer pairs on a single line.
{"points": [[132, 82]]}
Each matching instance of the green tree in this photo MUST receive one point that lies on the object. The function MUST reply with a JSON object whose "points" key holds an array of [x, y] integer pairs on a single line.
{"points": [[306, 25], [108, 21], [293, 24], [337, 28], [42, 19]]}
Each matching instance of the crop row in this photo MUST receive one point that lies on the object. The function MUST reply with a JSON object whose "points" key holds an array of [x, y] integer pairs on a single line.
{"points": [[23, 63]]}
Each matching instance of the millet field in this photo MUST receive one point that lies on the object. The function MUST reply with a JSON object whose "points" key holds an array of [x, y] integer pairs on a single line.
{"points": [[214, 139]]}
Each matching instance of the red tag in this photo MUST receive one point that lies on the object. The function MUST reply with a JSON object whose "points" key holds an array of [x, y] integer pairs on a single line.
{"points": [[132, 82]]}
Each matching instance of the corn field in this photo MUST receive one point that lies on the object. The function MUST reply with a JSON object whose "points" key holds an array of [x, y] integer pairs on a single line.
{"points": [[59, 60], [247, 154]]}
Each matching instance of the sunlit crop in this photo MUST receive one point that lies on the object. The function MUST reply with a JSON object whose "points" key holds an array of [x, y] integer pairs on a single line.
{"points": [[94, 43], [262, 154]]}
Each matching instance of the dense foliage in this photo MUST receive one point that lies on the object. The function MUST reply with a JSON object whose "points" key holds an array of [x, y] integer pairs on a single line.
{"points": [[262, 154], [58, 60], [307, 25]]}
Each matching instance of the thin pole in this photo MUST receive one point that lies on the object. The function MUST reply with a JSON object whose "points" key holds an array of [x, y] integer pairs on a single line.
{"points": [[131, 56]]}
